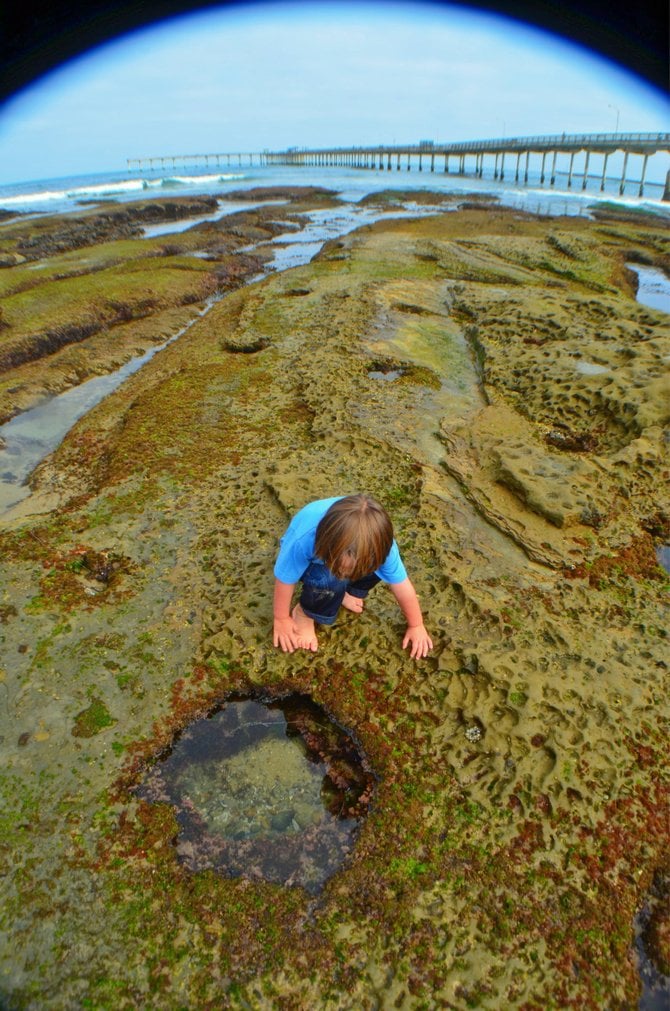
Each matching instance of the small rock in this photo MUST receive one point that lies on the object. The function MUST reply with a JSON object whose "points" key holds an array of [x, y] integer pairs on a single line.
{"points": [[280, 822], [11, 259]]}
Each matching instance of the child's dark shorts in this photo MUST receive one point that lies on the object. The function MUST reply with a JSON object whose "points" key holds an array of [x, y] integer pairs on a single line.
{"points": [[322, 592]]}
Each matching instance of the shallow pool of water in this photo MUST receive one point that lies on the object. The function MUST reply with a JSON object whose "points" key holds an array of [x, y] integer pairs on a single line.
{"points": [[663, 556], [388, 376], [654, 287], [225, 208], [270, 790], [650, 928]]}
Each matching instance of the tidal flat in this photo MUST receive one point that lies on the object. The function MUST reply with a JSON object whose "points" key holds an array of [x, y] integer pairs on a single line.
{"points": [[516, 851]]}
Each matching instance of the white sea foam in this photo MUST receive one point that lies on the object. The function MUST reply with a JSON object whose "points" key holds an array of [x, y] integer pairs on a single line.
{"points": [[114, 189], [46, 196], [105, 189], [199, 180], [41, 196]]}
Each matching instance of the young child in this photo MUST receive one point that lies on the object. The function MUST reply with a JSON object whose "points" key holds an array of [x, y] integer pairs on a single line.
{"points": [[339, 548]]}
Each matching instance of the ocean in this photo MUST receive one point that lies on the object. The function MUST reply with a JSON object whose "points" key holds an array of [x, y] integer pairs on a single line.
{"points": [[73, 193]]}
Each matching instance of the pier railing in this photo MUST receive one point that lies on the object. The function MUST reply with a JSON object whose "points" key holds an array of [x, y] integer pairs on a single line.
{"points": [[430, 153], [633, 143], [638, 143], [173, 161]]}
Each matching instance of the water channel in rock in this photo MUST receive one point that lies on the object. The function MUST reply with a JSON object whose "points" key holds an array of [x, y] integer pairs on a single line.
{"points": [[653, 288], [264, 789], [29, 437]]}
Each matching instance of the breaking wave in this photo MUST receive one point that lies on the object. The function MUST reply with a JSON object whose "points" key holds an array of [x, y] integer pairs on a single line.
{"points": [[111, 190]]}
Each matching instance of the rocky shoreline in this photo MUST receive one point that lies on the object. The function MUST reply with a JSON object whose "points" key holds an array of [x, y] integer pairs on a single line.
{"points": [[487, 374], [87, 294]]}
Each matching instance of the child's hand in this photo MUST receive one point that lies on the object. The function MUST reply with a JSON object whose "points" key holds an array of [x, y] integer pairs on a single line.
{"points": [[420, 640], [285, 634]]}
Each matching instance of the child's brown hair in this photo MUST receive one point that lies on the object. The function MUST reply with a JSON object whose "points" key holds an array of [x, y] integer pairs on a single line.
{"points": [[355, 528]]}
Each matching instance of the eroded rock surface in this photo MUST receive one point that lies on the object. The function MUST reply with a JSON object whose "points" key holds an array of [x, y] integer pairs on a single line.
{"points": [[521, 811]]}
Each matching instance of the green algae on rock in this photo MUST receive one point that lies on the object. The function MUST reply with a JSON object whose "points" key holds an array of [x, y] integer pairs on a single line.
{"points": [[92, 720]]}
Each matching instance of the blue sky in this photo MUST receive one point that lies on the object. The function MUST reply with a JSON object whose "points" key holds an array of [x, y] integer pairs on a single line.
{"points": [[315, 74]]}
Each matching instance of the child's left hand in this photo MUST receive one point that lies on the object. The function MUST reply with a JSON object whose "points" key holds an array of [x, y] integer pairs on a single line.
{"points": [[420, 641]]}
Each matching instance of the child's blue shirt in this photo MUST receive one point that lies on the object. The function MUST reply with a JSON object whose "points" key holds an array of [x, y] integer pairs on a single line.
{"points": [[297, 546]]}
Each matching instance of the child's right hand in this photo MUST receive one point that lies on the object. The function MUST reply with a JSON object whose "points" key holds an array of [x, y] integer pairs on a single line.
{"points": [[285, 634], [420, 641]]}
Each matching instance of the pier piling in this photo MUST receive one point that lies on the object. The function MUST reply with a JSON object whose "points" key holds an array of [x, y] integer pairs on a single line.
{"points": [[644, 172], [622, 185], [586, 169]]}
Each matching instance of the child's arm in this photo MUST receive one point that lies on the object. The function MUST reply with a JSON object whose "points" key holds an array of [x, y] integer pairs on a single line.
{"points": [[416, 633], [285, 634]]}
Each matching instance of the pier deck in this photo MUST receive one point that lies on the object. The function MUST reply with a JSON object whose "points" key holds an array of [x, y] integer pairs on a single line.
{"points": [[491, 152]]}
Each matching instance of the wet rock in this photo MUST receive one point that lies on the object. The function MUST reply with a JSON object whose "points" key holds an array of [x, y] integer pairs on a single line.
{"points": [[289, 193], [45, 344], [392, 197], [471, 663], [571, 442], [282, 821], [244, 346], [11, 259], [657, 524], [52, 236], [104, 565], [652, 926]]}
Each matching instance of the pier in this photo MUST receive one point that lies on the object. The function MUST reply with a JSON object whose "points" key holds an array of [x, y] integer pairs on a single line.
{"points": [[503, 158], [214, 161]]}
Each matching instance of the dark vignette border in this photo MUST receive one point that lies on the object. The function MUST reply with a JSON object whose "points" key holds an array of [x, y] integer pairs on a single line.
{"points": [[36, 36]]}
